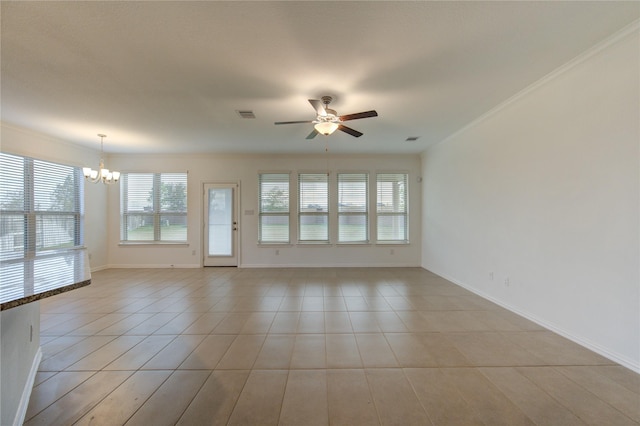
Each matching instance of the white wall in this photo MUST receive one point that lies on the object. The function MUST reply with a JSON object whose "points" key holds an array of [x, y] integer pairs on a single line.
{"points": [[16, 140], [19, 359], [102, 204], [544, 192], [244, 169]]}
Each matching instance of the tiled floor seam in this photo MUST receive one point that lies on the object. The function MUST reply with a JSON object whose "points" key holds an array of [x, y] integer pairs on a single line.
{"points": [[373, 400], [555, 367], [190, 402], [60, 397]]}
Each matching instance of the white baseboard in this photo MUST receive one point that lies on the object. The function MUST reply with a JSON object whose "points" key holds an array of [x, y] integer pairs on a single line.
{"points": [[260, 265], [316, 265], [26, 392], [153, 266], [99, 268], [631, 364]]}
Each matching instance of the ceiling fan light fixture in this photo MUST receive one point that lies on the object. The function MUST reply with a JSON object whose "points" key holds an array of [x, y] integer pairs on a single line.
{"points": [[326, 127]]}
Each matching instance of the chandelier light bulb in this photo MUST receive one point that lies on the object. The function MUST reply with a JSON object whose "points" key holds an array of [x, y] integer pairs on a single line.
{"points": [[103, 174]]}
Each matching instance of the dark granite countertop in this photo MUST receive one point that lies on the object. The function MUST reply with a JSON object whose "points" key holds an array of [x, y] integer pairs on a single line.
{"points": [[27, 280]]}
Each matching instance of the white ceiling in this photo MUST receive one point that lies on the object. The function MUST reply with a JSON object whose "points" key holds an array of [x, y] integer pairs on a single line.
{"points": [[168, 77]]}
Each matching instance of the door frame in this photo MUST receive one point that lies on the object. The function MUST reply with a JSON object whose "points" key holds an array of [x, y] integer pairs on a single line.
{"points": [[236, 214]]}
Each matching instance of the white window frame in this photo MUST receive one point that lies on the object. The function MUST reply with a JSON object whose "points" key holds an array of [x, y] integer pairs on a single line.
{"points": [[306, 212], [265, 213], [155, 214], [345, 212], [32, 236], [392, 203]]}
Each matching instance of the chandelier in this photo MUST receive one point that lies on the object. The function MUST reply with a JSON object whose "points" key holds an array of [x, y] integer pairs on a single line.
{"points": [[103, 175]]}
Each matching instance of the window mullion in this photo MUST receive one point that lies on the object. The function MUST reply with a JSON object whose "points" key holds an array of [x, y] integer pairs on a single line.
{"points": [[124, 207], [78, 222], [332, 214], [29, 208], [156, 206]]}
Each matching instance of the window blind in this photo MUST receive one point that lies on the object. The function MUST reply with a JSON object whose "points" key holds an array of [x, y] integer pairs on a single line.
{"points": [[353, 215], [391, 207], [274, 208], [153, 207], [41, 205], [313, 207]]}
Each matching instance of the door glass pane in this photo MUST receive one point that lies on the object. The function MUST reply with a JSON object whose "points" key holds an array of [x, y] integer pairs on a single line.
{"points": [[220, 222]]}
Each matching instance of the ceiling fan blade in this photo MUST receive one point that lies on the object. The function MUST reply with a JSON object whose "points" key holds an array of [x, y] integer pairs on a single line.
{"points": [[318, 106], [358, 115], [349, 130], [313, 134], [293, 122]]}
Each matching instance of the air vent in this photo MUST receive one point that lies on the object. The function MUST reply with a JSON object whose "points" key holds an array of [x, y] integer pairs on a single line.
{"points": [[246, 114], [412, 138]]}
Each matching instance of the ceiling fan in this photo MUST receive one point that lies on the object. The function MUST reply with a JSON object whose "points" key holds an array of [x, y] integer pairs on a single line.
{"points": [[328, 120]]}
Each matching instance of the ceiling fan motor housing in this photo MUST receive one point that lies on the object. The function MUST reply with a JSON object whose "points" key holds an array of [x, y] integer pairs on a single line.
{"points": [[331, 117], [331, 114]]}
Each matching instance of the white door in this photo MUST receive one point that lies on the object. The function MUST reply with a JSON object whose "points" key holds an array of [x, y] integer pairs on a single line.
{"points": [[220, 224]]}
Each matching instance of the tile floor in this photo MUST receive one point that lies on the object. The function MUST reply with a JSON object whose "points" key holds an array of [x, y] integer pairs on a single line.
{"points": [[305, 347]]}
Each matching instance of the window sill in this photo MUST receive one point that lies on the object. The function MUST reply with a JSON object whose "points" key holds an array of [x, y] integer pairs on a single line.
{"points": [[152, 243], [393, 243], [267, 245]]}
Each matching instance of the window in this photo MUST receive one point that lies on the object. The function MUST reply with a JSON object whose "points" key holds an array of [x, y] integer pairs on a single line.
{"points": [[273, 196], [353, 215], [41, 206], [313, 207], [153, 207], [392, 207]]}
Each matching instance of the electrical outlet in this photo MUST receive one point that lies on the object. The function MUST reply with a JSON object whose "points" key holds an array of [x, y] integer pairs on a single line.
{"points": [[392, 251], [506, 282], [277, 252], [491, 276], [193, 252]]}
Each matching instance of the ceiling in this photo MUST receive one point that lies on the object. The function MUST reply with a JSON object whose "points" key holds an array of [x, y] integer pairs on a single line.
{"points": [[168, 77]]}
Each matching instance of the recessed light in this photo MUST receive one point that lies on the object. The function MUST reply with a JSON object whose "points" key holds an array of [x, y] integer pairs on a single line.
{"points": [[246, 114], [412, 138]]}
